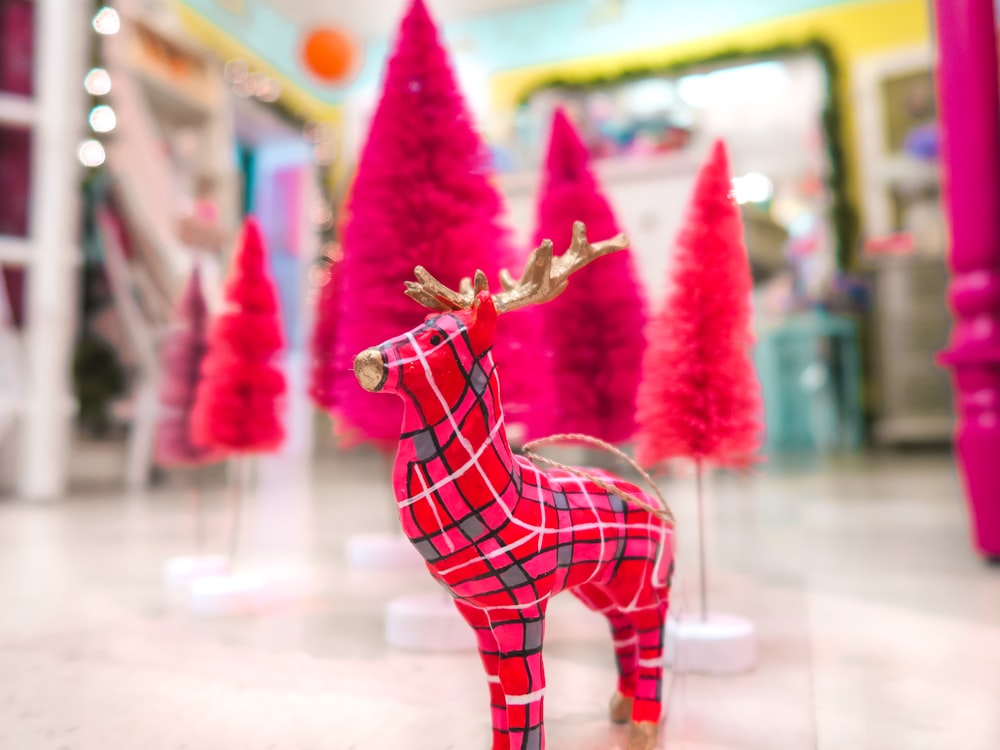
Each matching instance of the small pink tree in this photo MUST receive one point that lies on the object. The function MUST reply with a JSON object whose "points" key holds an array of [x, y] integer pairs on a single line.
{"points": [[240, 401], [422, 195], [596, 326], [181, 360]]}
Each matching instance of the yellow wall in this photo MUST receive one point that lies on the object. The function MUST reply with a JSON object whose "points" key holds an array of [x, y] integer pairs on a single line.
{"points": [[852, 30]]}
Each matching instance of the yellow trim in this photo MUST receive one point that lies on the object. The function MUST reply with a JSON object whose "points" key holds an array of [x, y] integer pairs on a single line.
{"points": [[299, 102], [853, 31], [302, 103]]}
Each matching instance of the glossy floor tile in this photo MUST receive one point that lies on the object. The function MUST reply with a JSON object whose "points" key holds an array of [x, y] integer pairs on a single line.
{"points": [[878, 627]]}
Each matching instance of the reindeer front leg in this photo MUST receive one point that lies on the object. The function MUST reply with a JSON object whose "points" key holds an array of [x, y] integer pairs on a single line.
{"points": [[519, 635], [649, 626], [489, 652]]}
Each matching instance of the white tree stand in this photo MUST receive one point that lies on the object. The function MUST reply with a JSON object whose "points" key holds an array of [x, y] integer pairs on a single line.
{"points": [[707, 642], [181, 571], [250, 592], [427, 622], [236, 594], [273, 569], [720, 644]]}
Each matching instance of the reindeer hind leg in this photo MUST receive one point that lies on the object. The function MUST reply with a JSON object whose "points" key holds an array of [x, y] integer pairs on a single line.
{"points": [[626, 646]]}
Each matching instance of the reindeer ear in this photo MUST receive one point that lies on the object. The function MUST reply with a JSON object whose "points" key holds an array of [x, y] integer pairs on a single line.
{"points": [[484, 315]]}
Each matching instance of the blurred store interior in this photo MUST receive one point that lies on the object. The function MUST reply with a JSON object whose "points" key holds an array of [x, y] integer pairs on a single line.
{"points": [[137, 135]]}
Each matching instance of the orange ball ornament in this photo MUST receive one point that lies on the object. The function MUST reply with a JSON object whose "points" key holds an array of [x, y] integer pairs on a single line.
{"points": [[328, 54]]}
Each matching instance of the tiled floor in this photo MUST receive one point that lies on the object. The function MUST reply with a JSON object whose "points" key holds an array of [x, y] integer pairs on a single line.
{"points": [[877, 626]]}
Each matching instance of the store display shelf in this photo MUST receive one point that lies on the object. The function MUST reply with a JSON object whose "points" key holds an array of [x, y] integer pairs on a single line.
{"points": [[16, 110], [14, 251], [901, 170]]}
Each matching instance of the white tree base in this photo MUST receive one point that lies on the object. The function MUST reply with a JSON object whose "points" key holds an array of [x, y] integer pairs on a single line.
{"points": [[248, 592], [427, 622], [382, 552], [237, 594], [180, 572], [721, 644]]}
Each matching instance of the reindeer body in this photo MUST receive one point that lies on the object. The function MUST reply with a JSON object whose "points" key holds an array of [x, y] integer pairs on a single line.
{"points": [[504, 536]]}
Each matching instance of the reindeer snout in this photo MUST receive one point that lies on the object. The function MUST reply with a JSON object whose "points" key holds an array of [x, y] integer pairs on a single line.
{"points": [[370, 370]]}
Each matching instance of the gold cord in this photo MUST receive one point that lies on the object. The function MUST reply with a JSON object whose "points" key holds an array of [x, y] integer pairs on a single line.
{"points": [[664, 513]]}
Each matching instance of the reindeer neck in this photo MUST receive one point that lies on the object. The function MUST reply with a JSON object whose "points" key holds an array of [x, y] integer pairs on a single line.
{"points": [[464, 451]]}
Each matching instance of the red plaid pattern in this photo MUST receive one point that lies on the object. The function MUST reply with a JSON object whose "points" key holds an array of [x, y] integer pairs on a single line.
{"points": [[503, 536]]}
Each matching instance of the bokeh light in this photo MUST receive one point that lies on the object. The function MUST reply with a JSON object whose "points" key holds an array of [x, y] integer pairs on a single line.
{"points": [[102, 119], [106, 21], [97, 82], [91, 153]]}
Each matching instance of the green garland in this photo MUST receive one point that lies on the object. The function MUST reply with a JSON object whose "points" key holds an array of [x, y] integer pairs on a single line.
{"points": [[843, 214]]}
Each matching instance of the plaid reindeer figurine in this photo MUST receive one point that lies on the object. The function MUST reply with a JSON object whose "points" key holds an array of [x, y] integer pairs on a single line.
{"points": [[499, 533]]}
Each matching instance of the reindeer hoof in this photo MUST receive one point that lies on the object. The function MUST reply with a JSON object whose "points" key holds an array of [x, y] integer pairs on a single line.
{"points": [[620, 709], [642, 735]]}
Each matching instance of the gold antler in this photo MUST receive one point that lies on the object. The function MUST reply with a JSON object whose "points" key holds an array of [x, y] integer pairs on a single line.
{"points": [[545, 277], [431, 293]]}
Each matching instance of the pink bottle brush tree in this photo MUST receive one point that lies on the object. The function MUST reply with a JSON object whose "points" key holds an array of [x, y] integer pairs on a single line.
{"points": [[181, 359], [323, 342], [239, 403], [699, 397], [240, 400], [422, 195], [596, 326]]}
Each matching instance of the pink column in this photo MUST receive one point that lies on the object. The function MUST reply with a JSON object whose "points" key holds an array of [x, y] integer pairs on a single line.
{"points": [[970, 117]]}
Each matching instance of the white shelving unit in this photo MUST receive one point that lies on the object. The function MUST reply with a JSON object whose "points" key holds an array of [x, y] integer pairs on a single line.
{"points": [[156, 105], [55, 117], [910, 321], [880, 169]]}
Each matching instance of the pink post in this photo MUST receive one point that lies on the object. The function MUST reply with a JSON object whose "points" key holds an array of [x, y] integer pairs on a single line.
{"points": [[970, 116]]}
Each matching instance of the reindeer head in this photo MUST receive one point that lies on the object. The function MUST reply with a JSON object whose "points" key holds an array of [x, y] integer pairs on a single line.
{"points": [[441, 354]]}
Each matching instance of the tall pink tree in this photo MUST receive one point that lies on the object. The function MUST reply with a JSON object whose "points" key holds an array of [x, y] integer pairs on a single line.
{"points": [[596, 326], [699, 397], [421, 195]]}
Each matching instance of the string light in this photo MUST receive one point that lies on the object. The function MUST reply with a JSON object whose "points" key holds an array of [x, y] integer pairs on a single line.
{"points": [[236, 71], [269, 90], [247, 84], [102, 119], [91, 153], [324, 154], [97, 82], [106, 21], [321, 213]]}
